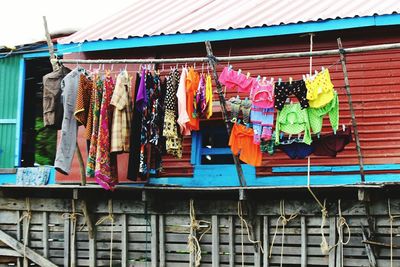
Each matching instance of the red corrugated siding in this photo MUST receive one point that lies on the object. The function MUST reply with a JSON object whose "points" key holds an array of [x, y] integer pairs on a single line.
{"points": [[374, 80]]}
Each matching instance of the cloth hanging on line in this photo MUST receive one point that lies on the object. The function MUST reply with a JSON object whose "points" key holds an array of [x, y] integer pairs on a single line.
{"points": [[285, 89], [241, 142], [121, 122], [192, 84], [316, 115], [319, 89], [183, 117]]}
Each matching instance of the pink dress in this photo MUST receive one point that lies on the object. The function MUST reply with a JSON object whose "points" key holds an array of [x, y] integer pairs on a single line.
{"points": [[105, 171]]}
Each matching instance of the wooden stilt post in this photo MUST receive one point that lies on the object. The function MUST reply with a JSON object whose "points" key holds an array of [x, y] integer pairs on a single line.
{"points": [[353, 116], [213, 64], [53, 61]]}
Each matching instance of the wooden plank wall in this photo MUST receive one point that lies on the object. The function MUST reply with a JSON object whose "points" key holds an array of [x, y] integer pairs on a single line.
{"points": [[159, 236]]}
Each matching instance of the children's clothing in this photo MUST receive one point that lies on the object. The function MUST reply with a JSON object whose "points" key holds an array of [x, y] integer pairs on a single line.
{"points": [[241, 141], [316, 115], [319, 89], [284, 89]]}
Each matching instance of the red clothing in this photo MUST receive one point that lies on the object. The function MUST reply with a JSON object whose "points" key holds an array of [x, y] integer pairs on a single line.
{"points": [[192, 83]]}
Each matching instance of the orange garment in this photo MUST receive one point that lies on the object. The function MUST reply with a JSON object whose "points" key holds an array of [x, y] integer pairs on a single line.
{"points": [[241, 141], [192, 83]]}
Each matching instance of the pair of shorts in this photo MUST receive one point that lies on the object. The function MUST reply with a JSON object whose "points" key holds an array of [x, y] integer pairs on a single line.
{"points": [[331, 144]]}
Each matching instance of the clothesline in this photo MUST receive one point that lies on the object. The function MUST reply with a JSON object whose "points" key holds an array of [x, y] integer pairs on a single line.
{"points": [[233, 58]]}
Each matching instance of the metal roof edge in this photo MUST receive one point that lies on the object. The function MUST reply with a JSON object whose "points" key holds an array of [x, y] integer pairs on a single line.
{"points": [[232, 34]]}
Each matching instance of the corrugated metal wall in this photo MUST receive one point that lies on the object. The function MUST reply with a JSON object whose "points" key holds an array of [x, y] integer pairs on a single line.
{"points": [[9, 75], [374, 79]]}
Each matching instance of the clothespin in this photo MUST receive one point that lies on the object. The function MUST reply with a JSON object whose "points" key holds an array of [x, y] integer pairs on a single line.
{"points": [[90, 67], [316, 72], [343, 127], [290, 80], [308, 76], [264, 79], [272, 79], [279, 81], [299, 136], [229, 67], [248, 75], [322, 68], [239, 72], [290, 136], [258, 78], [304, 77]]}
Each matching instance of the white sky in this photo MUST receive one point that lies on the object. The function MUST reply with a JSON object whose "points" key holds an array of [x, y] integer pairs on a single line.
{"points": [[21, 21]]}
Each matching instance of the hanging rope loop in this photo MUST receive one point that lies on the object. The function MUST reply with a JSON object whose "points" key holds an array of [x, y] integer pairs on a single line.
{"points": [[109, 217], [193, 241], [284, 220]]}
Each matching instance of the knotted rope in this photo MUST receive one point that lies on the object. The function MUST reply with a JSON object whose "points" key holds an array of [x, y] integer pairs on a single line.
{"points": [[73, 216], [109, 217], [244, 222], [339, 224], [193, 241], [28, 216], [284, 220], [391, 219]]}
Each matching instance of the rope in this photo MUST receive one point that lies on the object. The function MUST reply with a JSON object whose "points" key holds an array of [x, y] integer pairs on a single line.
{"points": [[340, 223], [193, 241], [109, 217], [28, 216], [243, 221], [284, 220], [391, 219], [324, 213]]}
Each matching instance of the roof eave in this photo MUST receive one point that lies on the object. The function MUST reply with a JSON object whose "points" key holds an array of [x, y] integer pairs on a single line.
{"points": [[232, 34]]}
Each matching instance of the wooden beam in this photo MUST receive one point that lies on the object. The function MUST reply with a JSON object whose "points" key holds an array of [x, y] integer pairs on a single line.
{"points": [[231, 233], [30, 254], [303, 241], [88, 218], [215, 241], [124, 241], [257, 236], [19, 236], [352, 112], [332, 241], [154, 240], [67, 242], [92, 251], [266, 240], [161, 238], [212, 62], [45, 236], [368, 249]]}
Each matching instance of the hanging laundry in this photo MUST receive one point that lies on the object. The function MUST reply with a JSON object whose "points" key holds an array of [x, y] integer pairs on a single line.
{"points": [[200, 99], [236, 80], [319, 89], [295, 148], [90, 114], [192, 84], [284, 89], [170, 131], [121, 123], [245, 107], [331, 144], [262, 94], [293, 119], [235, 102], [134, 153], [316, 115], [209, 97], [241, 142], [105, 170], [183, 117], [82, 105], [263, 121], [98, 96], [69, 129], [53, 109]]}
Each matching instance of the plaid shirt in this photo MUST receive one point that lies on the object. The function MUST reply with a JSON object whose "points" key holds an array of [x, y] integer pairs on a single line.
{"points": [[121, 123]]}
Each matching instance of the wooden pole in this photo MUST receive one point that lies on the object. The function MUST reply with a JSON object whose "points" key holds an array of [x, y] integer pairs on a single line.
{"points": [[222, 102], [353, 116], [53, 61], [233, 58]]}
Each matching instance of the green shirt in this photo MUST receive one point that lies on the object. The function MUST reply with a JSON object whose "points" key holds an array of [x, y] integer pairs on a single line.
{"points": [[316, 115], [292, 119]]}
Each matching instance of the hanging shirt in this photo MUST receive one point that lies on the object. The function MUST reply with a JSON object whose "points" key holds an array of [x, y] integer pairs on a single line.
{"points": [[52, 103], [141, 97], [316, 115], [292, 119], [121, 123], [209, 97], [183, 117], [98, 95], [192, 83], [82, 105], [69, 129], [105, 170], [319, 89]]}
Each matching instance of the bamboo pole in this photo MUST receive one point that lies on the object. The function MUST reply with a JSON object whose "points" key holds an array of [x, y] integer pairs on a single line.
{"points": [[222, 102], [53, 61], [234, 58], [353, 116]]}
